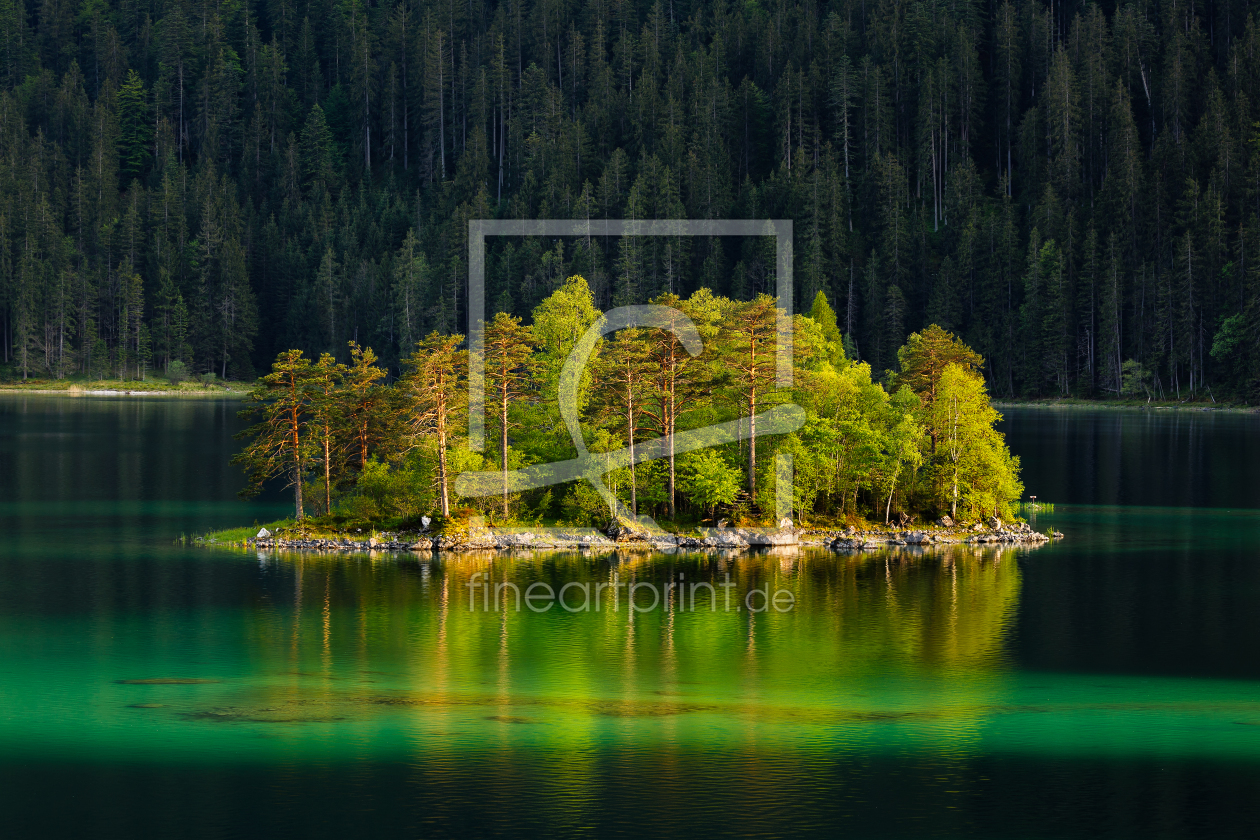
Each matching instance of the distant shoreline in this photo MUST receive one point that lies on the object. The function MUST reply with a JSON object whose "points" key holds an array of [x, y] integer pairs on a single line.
{"points": [[1130, 405], [125, 392]]}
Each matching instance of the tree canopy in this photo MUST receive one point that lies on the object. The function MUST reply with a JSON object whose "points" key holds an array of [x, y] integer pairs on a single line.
{"points": [[864, 452]]}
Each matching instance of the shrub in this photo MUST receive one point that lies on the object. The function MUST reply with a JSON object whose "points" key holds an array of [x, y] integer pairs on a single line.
{"points": [[1134, 379], [582, 505], [707, 479], [176, 372]]}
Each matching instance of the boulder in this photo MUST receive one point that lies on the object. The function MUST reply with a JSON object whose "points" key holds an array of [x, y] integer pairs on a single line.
{"points": [[263, 534], [945, 522], [724, 539], [758, 538], [624, 530], [506, 541], [858, 543], [993, 522]]}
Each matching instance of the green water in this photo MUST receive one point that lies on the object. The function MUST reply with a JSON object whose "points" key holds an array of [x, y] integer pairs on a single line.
{"points": [[1108, 685]]}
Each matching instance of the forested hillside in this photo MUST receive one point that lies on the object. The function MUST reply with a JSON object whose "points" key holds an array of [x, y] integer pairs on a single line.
{"points": [[1067, 186]]}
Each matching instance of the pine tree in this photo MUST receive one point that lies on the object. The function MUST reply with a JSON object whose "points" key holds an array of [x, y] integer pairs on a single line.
{"points": [[319, 166], [365, 406], [135, 128], [276, 446], [507, 366], [324, 423], [437, 387], [624, 373], [750, 344], [923, 360], [411, 290]]}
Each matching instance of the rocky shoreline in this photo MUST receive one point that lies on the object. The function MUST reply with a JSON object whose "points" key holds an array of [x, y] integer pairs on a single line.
{"points": [[624, 535]]}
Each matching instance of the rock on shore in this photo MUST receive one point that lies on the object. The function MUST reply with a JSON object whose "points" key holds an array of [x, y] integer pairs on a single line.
{"points": [[992, 531], [622, 534], [626, 534]]}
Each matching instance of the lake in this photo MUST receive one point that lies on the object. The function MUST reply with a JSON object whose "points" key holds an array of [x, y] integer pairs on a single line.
{"points": [[1104, 685]]}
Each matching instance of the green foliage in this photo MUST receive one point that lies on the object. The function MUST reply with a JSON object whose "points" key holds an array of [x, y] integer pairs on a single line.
{"points": [[135, 127], [1229, 337], [382, 491], [708, 479], [277, 444], [177, 372], [1134, 380], [318, 161], [863, 452], [822, 314], [971, 470], [582, 505], [925, 356]]}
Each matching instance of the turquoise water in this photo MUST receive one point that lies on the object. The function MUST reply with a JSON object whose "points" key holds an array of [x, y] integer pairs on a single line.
{"points": [[1105, 685]]}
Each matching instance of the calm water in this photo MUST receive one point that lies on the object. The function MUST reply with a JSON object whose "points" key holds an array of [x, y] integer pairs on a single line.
{"points": [[1105, 686]]}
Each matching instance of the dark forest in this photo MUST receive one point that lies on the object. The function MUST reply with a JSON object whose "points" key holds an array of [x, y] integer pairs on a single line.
{"points": [[1072, 188]]}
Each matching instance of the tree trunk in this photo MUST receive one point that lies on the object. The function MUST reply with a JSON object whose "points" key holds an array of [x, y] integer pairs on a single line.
{"points": [[442, 111], [297, 490], [888, 504], [327, 469], [503, 440], [752, 443], [670, 422], [442, 478], [297, 466], [634, 496]]}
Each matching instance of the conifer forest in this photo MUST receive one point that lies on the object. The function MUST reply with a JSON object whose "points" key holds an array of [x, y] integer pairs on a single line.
{"points": [[1071, 188]]}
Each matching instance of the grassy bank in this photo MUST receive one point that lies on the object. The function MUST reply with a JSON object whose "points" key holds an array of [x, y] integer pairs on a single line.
{"points": [[154, 386], [238, 536]]}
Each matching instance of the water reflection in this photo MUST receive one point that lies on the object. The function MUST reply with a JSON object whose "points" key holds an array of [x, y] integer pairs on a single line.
{"points": [[907, 637], [149, 687], [1134, 457]]}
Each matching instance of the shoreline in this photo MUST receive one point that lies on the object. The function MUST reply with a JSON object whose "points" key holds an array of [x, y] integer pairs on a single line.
{"points": [[119, 392], [1124, 405], [736, 539]]}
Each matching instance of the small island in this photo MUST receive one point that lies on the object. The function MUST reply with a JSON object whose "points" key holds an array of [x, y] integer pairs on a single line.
{"points": [[909, 457]]}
